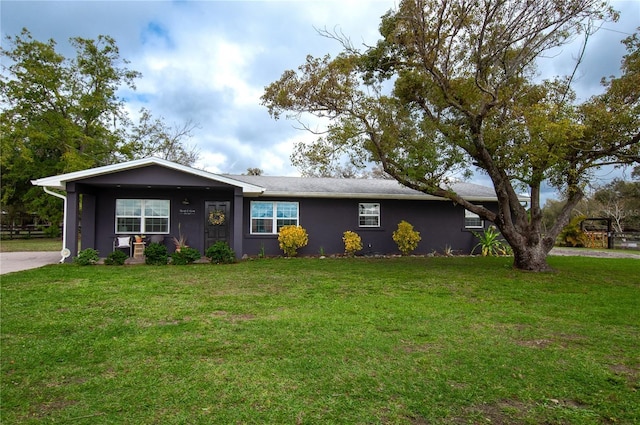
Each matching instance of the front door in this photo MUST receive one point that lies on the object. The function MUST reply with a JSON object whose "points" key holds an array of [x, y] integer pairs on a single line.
{"points": [[217, 222]]}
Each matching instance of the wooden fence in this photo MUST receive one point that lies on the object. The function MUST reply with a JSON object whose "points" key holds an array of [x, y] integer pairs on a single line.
{"points": [[627, 240], [28, 231], [602, 239]]}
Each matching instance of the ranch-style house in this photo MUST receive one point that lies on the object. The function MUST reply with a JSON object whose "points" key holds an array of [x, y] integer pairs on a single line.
{"points": [[161, 200]]}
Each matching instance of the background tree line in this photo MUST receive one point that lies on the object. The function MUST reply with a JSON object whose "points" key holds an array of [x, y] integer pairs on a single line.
{"points": [[618, 200], [60, 115]]}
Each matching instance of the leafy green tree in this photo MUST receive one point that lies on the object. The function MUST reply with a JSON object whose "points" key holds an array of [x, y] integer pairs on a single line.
{"points": [[61, 115], [57, 114], [152, 137], [450, 88], [254, 171]]}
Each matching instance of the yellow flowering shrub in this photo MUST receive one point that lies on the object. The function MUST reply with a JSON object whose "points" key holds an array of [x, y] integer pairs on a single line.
{"points": [[406, 238], [291, 238], [352, 242]]}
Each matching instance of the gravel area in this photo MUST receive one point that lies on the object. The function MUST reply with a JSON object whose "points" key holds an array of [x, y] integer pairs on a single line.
{"points": [[581, 252]]}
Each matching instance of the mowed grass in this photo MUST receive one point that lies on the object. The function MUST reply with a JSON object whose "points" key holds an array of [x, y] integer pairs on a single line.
{"points": [[30, 245], [323, 341]]}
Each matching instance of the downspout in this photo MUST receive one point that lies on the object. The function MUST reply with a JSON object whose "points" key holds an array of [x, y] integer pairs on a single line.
{"points": [[65, 252]]}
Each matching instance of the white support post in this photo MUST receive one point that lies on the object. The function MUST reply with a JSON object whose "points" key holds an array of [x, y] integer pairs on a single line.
{"points": [[64, 252]]}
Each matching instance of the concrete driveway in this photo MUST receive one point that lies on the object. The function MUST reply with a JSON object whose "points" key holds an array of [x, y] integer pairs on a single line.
{"points": [[17, 261]]}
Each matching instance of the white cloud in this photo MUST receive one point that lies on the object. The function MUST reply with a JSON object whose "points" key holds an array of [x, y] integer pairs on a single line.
{"points": [[211, 162], [205, 62], [209, 61]]}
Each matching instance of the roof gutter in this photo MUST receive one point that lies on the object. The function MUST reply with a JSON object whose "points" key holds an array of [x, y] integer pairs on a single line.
{"points": [[64, 252]]}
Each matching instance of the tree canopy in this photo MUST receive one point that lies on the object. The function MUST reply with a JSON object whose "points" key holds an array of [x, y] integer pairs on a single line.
{"points": [[62, 114], [450, 89]]}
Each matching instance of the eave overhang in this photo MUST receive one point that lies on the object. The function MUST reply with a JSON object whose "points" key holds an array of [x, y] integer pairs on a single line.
{"points": [[60, 181]]}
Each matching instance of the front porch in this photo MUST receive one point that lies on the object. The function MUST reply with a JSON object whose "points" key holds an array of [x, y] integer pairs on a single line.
{"points": [[153, 197]]}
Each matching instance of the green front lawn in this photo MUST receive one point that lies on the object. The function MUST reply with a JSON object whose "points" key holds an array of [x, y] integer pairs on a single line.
{"points": [[323, 341], [30, 245]]}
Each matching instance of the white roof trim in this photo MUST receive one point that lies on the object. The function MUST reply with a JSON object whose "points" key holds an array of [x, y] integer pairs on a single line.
{"points": [[60, 181]]}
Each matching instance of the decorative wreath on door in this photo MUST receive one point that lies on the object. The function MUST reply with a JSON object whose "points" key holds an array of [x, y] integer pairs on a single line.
{"points": [[216, 217]]}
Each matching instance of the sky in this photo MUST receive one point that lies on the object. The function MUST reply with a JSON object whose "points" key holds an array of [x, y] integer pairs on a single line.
{"points": [[208, 61]]}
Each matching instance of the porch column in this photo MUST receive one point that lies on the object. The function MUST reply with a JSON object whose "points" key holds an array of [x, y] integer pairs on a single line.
{"points": [[71, 230], [238, 235], [88, 222]]}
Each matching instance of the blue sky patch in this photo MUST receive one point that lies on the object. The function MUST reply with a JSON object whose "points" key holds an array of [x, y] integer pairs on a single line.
{"points": [[156, 33]]}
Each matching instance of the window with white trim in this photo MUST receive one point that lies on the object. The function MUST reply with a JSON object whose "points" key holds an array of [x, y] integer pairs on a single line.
{"points": [[142, 216], [268, 217], [472, 220], [369, 214]]}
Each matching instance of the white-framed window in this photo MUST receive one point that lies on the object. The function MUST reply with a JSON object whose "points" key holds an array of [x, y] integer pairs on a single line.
{"points": [[268, 217], [142, 216], [472, 220], [369, 214]]}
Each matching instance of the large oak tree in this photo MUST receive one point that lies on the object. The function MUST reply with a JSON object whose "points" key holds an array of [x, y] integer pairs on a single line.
{"points": [[450, 89]]}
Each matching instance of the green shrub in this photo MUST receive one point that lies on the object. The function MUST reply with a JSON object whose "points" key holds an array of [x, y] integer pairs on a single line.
{"points": [[116, 258], [156, 254], [87, 257], [220, 253], [406, 238], [490, 243], [291, 238], [186, 255], [52, 232], [572, 234], [352, 242]]}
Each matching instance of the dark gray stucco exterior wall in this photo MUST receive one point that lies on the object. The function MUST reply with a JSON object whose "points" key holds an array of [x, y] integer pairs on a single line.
{"points": [[186, 219], [440, 223], [99, 196]]}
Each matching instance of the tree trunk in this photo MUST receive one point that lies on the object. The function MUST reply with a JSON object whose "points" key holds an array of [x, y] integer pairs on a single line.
{"points": [[531, 258]]}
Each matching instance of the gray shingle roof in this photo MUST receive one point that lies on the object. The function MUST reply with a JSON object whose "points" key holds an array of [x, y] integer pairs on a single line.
{"points": [[312, 187], [303, 187]]}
